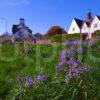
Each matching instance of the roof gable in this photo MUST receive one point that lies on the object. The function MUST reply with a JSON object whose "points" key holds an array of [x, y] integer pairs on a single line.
{"points": [[98, 17], [79, 22], [87, 24]]}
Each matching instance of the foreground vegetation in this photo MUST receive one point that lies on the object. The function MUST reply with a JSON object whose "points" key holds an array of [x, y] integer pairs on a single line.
{"points": [[42, 59]]}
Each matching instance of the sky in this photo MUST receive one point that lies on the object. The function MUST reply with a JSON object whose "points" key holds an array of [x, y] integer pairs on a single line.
{"points": [[40, 15]]}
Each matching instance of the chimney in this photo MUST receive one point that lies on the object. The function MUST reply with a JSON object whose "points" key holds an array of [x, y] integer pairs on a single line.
{"points": [[22, 21], [89, 16]]}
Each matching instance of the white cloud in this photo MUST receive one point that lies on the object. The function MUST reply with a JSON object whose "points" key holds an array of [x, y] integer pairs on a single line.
{"points": [[17, 2]]}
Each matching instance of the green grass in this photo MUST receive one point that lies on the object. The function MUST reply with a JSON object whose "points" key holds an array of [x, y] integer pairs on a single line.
{"points": [[14, 62]]}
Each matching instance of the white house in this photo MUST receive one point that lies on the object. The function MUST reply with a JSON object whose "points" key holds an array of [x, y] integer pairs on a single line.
{"points": [[95, 25], [75, 26], [22, 33], [87, 26]]}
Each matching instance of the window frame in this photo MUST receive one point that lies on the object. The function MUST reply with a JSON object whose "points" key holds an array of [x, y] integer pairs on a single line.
{"points": [[95, 25]]}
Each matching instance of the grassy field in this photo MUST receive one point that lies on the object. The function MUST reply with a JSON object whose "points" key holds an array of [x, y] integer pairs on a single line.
{"points": [[15, 61]]}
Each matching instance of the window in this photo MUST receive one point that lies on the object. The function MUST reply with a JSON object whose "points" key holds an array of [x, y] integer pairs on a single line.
{"points": [[73, 29], [84, 27], [95, 25]]}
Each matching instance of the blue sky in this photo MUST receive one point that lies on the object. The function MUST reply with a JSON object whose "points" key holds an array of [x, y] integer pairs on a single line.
{"points": [[40, 15]]}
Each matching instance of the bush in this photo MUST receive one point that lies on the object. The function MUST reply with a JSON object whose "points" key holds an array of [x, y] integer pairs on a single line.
{"points": [[97, 32], [75, 36], [64, 37]]}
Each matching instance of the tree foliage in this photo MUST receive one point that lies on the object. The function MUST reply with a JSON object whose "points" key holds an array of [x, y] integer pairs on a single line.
{"points": [[54, 30]]}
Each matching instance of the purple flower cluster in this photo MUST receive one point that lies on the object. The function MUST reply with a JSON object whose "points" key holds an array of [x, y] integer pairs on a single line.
{"points": [[73, 66], [41, 77], [63, 60], [29, 81], [72, 62], [72, 42], [66, 57], [74, 72], [80, 50]]}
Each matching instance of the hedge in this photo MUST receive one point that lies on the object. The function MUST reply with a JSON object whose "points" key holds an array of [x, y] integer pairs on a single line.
{"points": [[64, 37], [97, 32]]}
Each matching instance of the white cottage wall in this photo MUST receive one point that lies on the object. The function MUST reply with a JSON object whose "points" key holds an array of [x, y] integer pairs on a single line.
{"points": [[73, 28]]}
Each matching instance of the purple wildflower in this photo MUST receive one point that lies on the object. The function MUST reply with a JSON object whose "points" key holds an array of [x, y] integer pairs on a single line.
{"points": [[59, 67], [73, 70], [85, 68], [19, 81], [71, 61], [41, 77], [73, 42], [68, 53], [64, 52], [74, 75], [72, 50], [63, 55], [76, 71], [67, 57], [29, 81], [71, 76], [76, 64], [67, 77], [80, 50], [62, 62]]}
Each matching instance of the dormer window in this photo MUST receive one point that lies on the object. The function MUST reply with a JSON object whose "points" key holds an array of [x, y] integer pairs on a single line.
{"points": [[95, 25]]}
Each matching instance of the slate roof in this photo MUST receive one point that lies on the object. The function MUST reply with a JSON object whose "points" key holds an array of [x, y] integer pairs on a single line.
{"points": [[23, 33], [87, 23], [79, 22], [98, 17], [16, 28]]}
